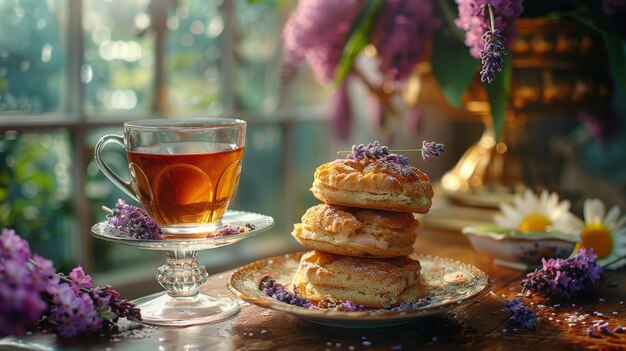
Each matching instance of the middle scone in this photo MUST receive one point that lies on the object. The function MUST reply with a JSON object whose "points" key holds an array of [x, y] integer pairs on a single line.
{"points": [[357, 232]]}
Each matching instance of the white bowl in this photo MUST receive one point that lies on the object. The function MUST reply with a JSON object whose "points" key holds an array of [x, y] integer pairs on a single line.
{"points": [[519, 250]]}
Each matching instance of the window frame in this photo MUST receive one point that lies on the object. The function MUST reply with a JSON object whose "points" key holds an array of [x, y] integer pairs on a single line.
{"points": [[73, 117]]}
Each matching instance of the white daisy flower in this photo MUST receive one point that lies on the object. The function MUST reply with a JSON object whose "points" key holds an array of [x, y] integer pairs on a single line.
{"points": [[606, 234], [529, 213]]}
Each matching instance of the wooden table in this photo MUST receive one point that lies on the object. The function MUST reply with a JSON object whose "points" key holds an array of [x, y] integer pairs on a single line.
{"points": [[477, 326]]}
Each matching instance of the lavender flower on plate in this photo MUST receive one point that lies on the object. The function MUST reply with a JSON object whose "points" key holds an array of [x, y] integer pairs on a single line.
{"points": [[228, 229], [563, 278], [134, 221], [277, 291]]}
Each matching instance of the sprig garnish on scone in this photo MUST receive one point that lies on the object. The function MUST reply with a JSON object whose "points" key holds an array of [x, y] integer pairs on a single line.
{"points": [[374, 151]]}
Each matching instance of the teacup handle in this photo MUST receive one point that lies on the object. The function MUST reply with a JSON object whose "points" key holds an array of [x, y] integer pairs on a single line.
{"points": [[108, 172]]}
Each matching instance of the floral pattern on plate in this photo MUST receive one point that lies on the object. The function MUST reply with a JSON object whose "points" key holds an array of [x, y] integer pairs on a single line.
{"points": [[450, 283]]}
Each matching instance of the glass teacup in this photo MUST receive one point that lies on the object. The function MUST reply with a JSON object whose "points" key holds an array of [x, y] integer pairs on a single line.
{"points": [[184, 172]]}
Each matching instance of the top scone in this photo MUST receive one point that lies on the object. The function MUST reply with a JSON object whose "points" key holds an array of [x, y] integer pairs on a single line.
{"points": [[373, 184]]}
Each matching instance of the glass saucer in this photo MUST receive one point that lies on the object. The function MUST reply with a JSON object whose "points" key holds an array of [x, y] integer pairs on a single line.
{"points": [[182, 275], [261, 222]]}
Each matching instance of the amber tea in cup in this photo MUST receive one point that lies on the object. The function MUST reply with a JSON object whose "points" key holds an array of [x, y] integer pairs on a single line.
{"points": [[183, 172]]}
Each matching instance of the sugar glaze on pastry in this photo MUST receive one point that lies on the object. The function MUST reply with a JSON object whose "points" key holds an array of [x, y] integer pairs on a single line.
{"points": [[357, 232], [376, 184]]}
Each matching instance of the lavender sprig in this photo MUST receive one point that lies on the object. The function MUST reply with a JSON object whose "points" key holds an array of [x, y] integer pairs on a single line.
{"points": [[492, 52], [31, 290], [134, 221], [563, 278], [521, 314], [375, 151], [432, 149], [491, 55]]}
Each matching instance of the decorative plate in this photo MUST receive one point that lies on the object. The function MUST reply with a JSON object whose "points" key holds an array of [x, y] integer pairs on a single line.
{"points": [[261, 222], [519, 250], [451, 283]]}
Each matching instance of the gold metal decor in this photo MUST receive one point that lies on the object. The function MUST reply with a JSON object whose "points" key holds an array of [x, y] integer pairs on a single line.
{"points": [[559, 70]]}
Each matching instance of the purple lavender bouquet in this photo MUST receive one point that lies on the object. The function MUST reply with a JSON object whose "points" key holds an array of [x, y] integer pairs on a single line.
{"points": [[459, 38], [32, 292]]}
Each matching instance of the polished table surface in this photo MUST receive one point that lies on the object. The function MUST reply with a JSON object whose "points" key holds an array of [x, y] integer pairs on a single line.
{"points": [[482, 325]]}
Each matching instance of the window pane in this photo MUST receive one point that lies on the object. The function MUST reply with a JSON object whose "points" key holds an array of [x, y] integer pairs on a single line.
{"points": [[119, 38], [36, 190], [32, 56], [258, 56], [262, 175], [194, 57], [313, 146], [261, 189]]}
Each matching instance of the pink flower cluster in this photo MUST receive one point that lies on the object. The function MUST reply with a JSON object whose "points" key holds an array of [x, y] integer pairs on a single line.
{"points": [[316, 32], [402, 31], [318, 29]]}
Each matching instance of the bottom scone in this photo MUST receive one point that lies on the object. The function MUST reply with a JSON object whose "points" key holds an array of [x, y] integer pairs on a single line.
{"points": [[374, 283]]}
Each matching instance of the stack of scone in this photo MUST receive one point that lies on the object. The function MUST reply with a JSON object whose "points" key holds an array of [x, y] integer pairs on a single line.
{"points": [[363, 232]]}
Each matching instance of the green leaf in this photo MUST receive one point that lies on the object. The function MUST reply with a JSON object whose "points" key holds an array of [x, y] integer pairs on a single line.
{"points": [[617, 58], [108, 315], [357, 39], [615, 48], [453, 67], [498, 95]]}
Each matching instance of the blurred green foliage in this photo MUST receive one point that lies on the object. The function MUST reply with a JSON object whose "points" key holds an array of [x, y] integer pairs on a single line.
{"points": [[35, 191]]}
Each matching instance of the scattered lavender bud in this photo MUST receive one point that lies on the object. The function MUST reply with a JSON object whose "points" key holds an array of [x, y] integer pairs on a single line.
{"points": [[591, 333], [521, 314], [228, 229]]}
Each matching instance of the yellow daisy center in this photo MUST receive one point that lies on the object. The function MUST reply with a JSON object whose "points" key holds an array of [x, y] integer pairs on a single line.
{"points": [[534, 222], [598, 237]]}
